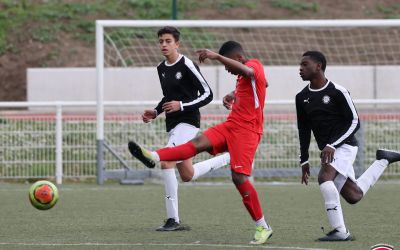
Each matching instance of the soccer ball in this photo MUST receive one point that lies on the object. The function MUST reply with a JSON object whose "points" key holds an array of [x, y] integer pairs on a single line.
{"points": [[43, 195]]}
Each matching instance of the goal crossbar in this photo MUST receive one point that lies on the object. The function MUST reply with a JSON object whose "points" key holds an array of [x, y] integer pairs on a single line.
{"points": [[252, 23]]}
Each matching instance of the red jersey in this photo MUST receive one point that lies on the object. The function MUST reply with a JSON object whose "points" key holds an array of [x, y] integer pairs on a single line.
{"points": [[247, 108]]}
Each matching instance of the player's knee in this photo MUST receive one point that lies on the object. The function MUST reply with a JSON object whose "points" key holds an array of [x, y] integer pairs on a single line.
{"points": [[163, 165], [351, 200], [235, 181], [354, 198], [167, 165], [238, 179], [186, 178], [321, 179], [201, 143], [351, 192]]}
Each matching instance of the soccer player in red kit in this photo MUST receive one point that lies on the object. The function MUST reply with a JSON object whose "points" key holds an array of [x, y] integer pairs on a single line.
{"points": [[240, 134]]}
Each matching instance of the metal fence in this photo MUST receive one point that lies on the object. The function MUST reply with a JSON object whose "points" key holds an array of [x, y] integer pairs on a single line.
{"points": [[58, 140]]}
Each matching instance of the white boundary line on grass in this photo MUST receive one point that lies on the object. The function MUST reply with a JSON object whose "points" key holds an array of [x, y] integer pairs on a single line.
{"points": [[154, 244], [67, 188], [237, 246]]}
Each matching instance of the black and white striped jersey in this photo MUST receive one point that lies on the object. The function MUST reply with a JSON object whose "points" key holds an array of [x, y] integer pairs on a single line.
{"points": [[329, 113], [182, 81]]}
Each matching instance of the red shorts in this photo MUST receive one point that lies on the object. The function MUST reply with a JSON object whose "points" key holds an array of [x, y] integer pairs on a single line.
{"points": [[239, 142]]}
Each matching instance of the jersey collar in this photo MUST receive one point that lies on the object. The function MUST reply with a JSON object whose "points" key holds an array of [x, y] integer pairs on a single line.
{"points": [[172, 64], [316, 90]]}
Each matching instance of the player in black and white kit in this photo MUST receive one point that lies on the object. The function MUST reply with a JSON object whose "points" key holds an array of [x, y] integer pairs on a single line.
{"points": [[185, 90], [326, 109]]}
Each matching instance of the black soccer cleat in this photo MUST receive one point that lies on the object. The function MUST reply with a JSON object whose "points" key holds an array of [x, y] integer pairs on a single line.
{"points": [[141, 154], [389, 155], [335, 235], [170, 225]]}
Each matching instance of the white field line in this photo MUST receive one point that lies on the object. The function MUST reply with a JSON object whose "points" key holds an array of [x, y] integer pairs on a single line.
{"points": [[70, 187], [154, 244], [238, 246]]}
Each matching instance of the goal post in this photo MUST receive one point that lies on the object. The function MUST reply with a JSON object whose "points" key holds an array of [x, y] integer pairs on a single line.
{"points": [[100, 102], [133, 44]]}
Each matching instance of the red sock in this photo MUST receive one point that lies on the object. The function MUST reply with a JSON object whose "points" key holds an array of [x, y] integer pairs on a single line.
{"points": [[178, 153], [250, 199]]}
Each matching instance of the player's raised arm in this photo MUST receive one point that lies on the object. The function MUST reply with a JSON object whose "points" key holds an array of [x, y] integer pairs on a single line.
{"points": [[234, 66]]}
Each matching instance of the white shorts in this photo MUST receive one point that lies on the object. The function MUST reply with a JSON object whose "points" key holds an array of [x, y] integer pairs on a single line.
{"points": [[181, 134], [343, 160]]}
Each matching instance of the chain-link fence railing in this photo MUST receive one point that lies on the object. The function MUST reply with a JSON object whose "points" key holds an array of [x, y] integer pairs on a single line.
{"points": [[56, 140]]}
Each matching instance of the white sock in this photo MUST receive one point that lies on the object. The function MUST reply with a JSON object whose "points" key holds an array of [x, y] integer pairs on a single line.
{"points": [[371, 175], [332, 205], [261, 222], [171, 193], [155, 156], [206, 166]]}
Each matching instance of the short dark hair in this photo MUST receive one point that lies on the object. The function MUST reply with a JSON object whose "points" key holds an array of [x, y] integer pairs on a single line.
{"points": [[169, 30], [230, 46], [317, 57]]}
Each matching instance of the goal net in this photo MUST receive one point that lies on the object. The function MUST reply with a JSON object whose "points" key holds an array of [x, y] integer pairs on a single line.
{"points": [[275, 43], [133, 45]]}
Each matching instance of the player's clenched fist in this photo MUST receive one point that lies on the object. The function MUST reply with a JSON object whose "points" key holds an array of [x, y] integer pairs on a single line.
{"points": [[148, 115], [228, 100]]}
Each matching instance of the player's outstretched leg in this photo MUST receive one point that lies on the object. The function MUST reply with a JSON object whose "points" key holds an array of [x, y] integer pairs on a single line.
{"points": [[204, 167], [142, 154], [383, 158], [389, 155]]}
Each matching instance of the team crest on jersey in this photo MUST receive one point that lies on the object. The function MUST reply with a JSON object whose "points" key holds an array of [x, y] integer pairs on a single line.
{"points": [[178, 75], [326, 99]]}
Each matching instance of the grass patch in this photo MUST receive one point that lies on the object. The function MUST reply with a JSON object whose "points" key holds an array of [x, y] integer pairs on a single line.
{"points": [[45, 34], [295, 6], [226, 5], [43, 21], [124, 217], [153, 9], [391, 11]]}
